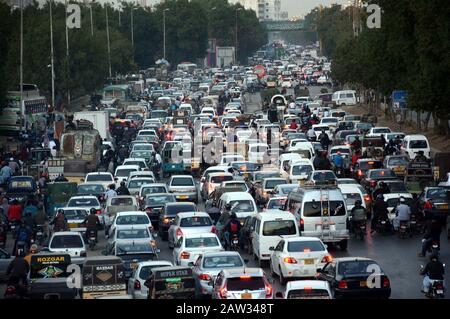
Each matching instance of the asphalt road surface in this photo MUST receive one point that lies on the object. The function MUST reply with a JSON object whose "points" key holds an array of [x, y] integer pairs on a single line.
{"points": [[397, 257]]}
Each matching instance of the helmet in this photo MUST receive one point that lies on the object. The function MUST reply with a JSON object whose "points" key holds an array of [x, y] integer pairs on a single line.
{"points": [[358, 203], [380, 196], [93, 210], [402, 199], [122, 183], [233, 216], [60, 211], [33, 249], [434, 256]]}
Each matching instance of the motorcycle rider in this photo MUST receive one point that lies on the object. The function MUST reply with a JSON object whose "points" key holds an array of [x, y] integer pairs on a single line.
{"points": [[41, 219], [157, 164], [433, 233], [59, 222], [321, 162], [23, 236], [356, 144], [18, 270], [402, 213], [92, 223], [338, 161], [434, 270], [390, 148], [358, 214], [311, 135], [383, 189], [14, 211], [33, 250], [122, 190], [61, 178], [293, 125], [111, 192], [420, 157], [232, 227], [324, 139], [370, 151], [380, 211]]}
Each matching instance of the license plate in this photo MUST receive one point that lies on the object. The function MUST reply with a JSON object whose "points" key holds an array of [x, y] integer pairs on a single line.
{"points": [[182, 197], [444, 206], [235, 242], [309, 261], [439, 291], [363, 283], [246, 296], [73, 225], [399, 169], [39, 233]]}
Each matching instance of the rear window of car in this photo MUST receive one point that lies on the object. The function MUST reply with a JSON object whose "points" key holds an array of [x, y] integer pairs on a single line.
{"points": [[201, 242], [90, 189], [121, 201], [351, 198], [132, 219], [195, 221], [308, 294], [242, 186], [66, 241], [146, 271], [398, 161], [99, 178], [222, 178], [438, 193], [247, 283], [279, 228], [132, 233], [382, 174], [301, 169], [137, 183], [222, 262], [418, 144], [75, 213], [242, 206], [276, 203], [393, 202], [270, 184], [155, 200], [125, 172], [305, 246], [313, 209], [398, 187], [83, 202], [370, 165], [153, 190], [175, 209], [360, 267], [182, 181]]}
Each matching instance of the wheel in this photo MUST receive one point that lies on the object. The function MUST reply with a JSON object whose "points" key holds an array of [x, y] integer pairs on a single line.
{"points": [[282, 279], [343, 245]]}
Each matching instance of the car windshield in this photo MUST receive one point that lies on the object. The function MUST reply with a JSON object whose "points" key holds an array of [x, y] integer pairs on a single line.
{"points": [[382, 174], [182, 181], [398, 161], [99, 178], [245, 283], [195, 221], [351, 198], [418, 144], [121, 201], [132, 233], [132, 220], [276, 203], [357, 267], [153, 190], [141, 154], [313, 209], [393, 202], [133, 248], [270, 184], [141, 164], [222, 262], [221, 178], [301, 169], [287, 189], [201, 242], [397, 187], [279, 228], [438, 193], [305, 246], [308, 294], [242, 206], [90, 189], [175, 209], [75, 213], [159, 200], [242, 186], [67, 241], [125, 172], [137, 183], [146, 271], [93, 202]]}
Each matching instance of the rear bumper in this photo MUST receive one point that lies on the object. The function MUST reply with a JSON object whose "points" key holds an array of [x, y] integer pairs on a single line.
{"points": [[191, 196], [363, 293], [328, 237]]}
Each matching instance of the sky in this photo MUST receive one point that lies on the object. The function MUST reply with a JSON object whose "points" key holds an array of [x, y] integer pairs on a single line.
{"points": [[301, 7]]}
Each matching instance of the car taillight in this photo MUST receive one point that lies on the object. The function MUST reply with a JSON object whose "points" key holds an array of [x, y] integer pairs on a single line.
{"points": [[289, 260], [302, 224], [373, 183], [205, 277], [223, 293], [327, 259], [148, 210], [214, 230], [386, 283], [367, 198], [428, 205], [179, 232], [342, 284], [269, 290], [137, 285], [98, 212], [184, 255], [360, 173], [439, 286]]}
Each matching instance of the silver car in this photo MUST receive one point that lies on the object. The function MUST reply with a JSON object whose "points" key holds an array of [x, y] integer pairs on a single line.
{"points": [[189, 223], [136, 283], [134, 185], [184, 188], [208, 266]]}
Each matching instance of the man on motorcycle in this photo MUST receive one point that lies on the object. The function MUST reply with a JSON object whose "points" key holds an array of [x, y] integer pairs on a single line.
{"points": [[232, 227], [380, 212], [92, 223], [383, 189], [311, 135], [293, 125], [122, 190], [41, 219], [61, 178], [338, 161], [59, 222], [434, 270], [33, 250], [111, 192], [14, 211], [324, 139], [18, 270], [402, 213], [433, 233], [420, 157], [356, 144], [23, 238], [358, 214], [157, 163]]}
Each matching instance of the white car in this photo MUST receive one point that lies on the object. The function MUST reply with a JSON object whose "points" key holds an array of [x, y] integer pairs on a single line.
{"points": [[86, 203], [378, 131], [228, 158], [306, 289], [123, 171], [136, 282], [75, 218], [68, 242], [189, 247], [103, 178], [134, 185], [298, 257], [137, 232], [189, 223], [130, 218]]}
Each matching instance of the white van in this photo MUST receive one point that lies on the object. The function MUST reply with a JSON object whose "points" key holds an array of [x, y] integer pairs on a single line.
{"points": [[343, 98], [269, 229], [299, 170], [257, 153], [320, 212], [412, 144], [242, 203]]}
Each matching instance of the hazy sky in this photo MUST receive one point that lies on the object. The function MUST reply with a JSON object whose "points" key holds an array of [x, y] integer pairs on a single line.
{"points": [[299, 7]]}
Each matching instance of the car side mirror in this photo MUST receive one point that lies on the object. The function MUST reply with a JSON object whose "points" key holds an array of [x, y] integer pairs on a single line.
{"points": [[272, 248], [116, 179], [191, 264], [279, 295], [246, 261]]}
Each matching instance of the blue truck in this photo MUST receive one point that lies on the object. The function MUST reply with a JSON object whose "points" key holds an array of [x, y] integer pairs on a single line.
{"points": [[399, 99]]}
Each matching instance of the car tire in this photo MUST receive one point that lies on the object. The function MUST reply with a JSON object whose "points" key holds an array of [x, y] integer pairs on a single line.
{"points": [[343, 245], [282, 279]]}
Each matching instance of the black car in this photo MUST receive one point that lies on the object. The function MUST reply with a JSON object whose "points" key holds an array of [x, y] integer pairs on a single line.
{"points": [[20, 188], [355, 277], [435, 202], [168, 214], [154, 203], [245, 239]]}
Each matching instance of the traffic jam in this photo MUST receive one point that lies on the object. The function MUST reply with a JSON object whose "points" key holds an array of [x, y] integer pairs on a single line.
{"points": [[240, 182]]}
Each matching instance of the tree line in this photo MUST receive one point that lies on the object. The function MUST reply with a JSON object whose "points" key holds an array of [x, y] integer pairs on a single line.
{"points": [[410, 51], [189, 24]]}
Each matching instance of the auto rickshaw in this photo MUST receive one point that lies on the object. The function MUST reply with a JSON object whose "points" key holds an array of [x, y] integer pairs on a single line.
{"points": [[418, 175], [49, 278], [171, 283], [103, 276], [172, 159]]}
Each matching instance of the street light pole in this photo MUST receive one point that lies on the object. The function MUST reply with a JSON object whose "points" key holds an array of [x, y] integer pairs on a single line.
{"points": [[164, 31], [92, 23], [236, 36], [52, 60], [107, 36], [132, 28], [21, 53], [67, 60]]}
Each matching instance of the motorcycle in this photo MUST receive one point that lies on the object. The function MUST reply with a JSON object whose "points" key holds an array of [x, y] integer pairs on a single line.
{"points": [[3, 229], [13, 227], [234, 243], [39, 234], [403, 230], [436, 288], [360, 229], [92, 239], [384, 226], [414, 226]]}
